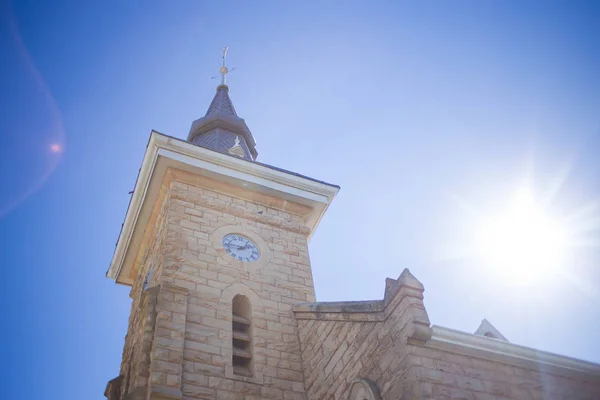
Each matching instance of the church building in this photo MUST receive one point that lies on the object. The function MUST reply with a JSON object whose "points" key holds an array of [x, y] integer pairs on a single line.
{"points": [[215, 249]]}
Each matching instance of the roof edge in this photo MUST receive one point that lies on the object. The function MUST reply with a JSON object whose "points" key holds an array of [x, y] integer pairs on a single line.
{"points": [[498, 350], [160, 141]]}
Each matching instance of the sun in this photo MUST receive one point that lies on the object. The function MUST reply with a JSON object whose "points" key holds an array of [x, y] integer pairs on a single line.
{"points": [[524, 242]]}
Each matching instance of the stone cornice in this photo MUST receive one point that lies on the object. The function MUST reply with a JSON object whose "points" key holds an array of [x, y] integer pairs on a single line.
{"points": [[359, 307], [165, 151], [510, 353], [254, 168]]}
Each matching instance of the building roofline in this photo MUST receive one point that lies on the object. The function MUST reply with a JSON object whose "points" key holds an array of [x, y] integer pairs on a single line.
{"points": [[502, 351], [255, 162]]}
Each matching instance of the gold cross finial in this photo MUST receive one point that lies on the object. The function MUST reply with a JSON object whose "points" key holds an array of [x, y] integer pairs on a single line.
{"points": [[223, 70]]}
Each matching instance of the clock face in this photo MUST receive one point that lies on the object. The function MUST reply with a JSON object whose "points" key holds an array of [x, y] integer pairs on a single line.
{"points": [[241, 248]]}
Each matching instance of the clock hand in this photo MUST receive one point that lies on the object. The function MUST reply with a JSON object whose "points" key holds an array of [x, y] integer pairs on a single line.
{"points": [[239, 247]]}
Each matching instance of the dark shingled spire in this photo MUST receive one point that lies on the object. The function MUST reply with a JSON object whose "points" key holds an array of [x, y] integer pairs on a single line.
{"points": [[221, 102], [220, 127]]}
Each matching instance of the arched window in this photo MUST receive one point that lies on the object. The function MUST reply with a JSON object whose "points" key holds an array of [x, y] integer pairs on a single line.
{"points": [[364, 389], [241, 336]]}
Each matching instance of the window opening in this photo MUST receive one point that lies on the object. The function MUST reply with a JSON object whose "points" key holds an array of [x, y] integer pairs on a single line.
{"points": [[241, 334]]}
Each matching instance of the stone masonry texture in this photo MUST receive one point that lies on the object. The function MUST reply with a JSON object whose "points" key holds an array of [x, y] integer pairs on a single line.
{"points": [[386, 342], [179, 338]]}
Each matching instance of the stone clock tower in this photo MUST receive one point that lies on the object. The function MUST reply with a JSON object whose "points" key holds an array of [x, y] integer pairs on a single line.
{"points": [[214, 248]]}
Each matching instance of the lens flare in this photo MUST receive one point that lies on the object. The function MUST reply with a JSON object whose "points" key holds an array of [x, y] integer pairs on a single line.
{"points": [[55, 128]]}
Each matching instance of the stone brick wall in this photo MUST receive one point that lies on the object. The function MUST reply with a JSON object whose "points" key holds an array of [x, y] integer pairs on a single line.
{"points": [[188, 320], [212, 281], [390, 343], [335, 353], [345, 341], [135, 362], [449, 375]]}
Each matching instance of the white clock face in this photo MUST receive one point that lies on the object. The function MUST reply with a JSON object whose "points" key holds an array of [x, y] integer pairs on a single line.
{"points": [[241, 248]]}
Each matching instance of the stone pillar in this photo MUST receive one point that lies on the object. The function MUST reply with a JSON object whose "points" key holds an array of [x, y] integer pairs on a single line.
{"points": [[134, 385], [166, 355]]}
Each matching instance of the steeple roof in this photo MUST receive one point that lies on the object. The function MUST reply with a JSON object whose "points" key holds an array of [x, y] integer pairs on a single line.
{"points": [[222, 130], [221, 103]]}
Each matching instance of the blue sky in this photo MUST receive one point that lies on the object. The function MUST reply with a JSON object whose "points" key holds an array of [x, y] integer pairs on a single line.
{"points": [[425, 113]]}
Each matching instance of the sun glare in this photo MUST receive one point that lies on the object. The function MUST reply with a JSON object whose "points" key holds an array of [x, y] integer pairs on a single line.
{"points": [[524, 242]]}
